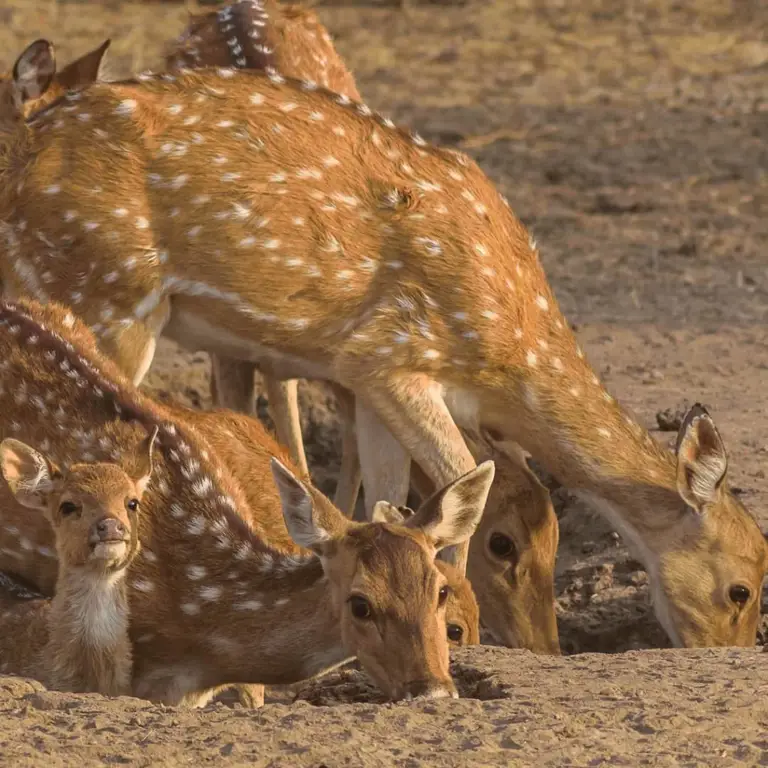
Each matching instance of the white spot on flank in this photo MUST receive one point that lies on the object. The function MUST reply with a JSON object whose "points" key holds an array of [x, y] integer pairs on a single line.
{"points": [[248, 605], [557, 364], [542, 302], [210, 593], [143, 585], [575, 391], [54, 189], [431, 354], [125, 107], [603, 431], [191, 609], [196, 572], [142, 223], [196, 525], [530, 358]]}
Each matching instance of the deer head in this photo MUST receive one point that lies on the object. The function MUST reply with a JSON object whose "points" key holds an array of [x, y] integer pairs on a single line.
{"points": [[512, 555], [708, 590], [462, 614], [389, 595], [91, 507]]}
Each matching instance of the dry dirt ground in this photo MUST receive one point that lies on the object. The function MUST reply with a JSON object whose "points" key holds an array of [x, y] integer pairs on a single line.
{"points": [[632, 138]]}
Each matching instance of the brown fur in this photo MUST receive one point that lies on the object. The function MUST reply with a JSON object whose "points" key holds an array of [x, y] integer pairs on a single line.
{"points": [[385, 229], [87, 646], [212, 603]]}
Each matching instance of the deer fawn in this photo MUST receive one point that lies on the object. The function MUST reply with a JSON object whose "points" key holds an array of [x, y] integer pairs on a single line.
{"points": [[92, 509], [213, 601], [406, 279]]}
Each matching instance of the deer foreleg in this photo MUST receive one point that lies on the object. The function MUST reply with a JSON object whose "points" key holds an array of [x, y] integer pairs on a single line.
{"points": [[414, 412]]}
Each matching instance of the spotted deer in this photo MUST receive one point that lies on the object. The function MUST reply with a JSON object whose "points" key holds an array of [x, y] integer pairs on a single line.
{"points": [[214, 600], [275, 221], [93, 511], [289, 39]]}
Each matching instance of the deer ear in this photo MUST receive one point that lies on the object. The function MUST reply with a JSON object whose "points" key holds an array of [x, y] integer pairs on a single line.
{"points": [[312, 521], [384, 512], [30, 476], [144, 463], [85, 70], [702, 462], [34, 70], [451, 515]]}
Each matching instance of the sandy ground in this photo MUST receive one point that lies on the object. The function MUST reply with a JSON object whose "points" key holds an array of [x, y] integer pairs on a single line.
{"points": [[632, 138]]}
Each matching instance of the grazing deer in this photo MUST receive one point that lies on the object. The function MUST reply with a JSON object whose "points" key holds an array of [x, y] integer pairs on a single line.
{"points": [[212, 600], [277, 222], [93, 511]]}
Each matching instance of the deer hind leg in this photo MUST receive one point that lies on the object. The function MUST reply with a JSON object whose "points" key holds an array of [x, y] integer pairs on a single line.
{"points": [[413, 409], [384, 462], [350, 476]]}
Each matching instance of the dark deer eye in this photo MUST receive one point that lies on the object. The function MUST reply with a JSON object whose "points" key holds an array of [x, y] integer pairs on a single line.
{"points": [[67, 508], [501, 545], [360, 607], [455, 633], [739, 594], [132, 505], [442, 595]]}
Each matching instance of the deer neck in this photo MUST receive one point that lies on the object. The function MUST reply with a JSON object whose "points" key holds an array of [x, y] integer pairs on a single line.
{"points": [[87, 629], [582, 436]]}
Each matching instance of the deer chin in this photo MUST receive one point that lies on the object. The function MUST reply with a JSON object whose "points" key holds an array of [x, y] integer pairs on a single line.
{"points": [[108, 551]]}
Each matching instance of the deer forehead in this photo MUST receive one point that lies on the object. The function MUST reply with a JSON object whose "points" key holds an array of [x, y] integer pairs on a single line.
{"points": [[100, 482], [392, 562]]}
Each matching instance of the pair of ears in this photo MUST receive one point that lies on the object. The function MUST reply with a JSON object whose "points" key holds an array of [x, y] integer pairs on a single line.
{"points": [[35, 70], [34, 478], [449, 517]]}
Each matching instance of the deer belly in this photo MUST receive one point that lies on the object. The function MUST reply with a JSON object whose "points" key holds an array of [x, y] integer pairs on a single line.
{"points": [[194, 330]]}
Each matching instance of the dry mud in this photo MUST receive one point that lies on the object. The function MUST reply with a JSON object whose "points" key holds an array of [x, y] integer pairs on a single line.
{"points": [[632, 138]]}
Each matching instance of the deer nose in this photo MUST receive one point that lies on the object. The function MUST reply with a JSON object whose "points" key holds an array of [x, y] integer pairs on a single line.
{"points": [[109, 529], [430, 689]]}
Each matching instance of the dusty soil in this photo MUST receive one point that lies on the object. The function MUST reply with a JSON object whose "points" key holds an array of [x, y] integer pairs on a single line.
{"points": [[660, 708], [632, 138]]}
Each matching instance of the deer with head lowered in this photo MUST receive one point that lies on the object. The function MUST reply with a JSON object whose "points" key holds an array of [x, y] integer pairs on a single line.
{"points": [[214, 599], [275, 221], [93, 511]]}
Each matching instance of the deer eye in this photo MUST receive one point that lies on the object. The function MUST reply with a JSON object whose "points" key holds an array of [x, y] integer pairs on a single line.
{"points": [[67, 508], [442, 595], [132, 505], [739, 594], [360, 607], [455, 633], [502, 546]]}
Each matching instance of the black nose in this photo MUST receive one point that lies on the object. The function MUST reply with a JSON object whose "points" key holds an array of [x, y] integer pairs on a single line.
{"points": [[110, 528]]}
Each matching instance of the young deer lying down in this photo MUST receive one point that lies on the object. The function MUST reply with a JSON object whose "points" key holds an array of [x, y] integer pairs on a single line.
{"points": [[93, 510], [214, 599], [239, 442]]}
